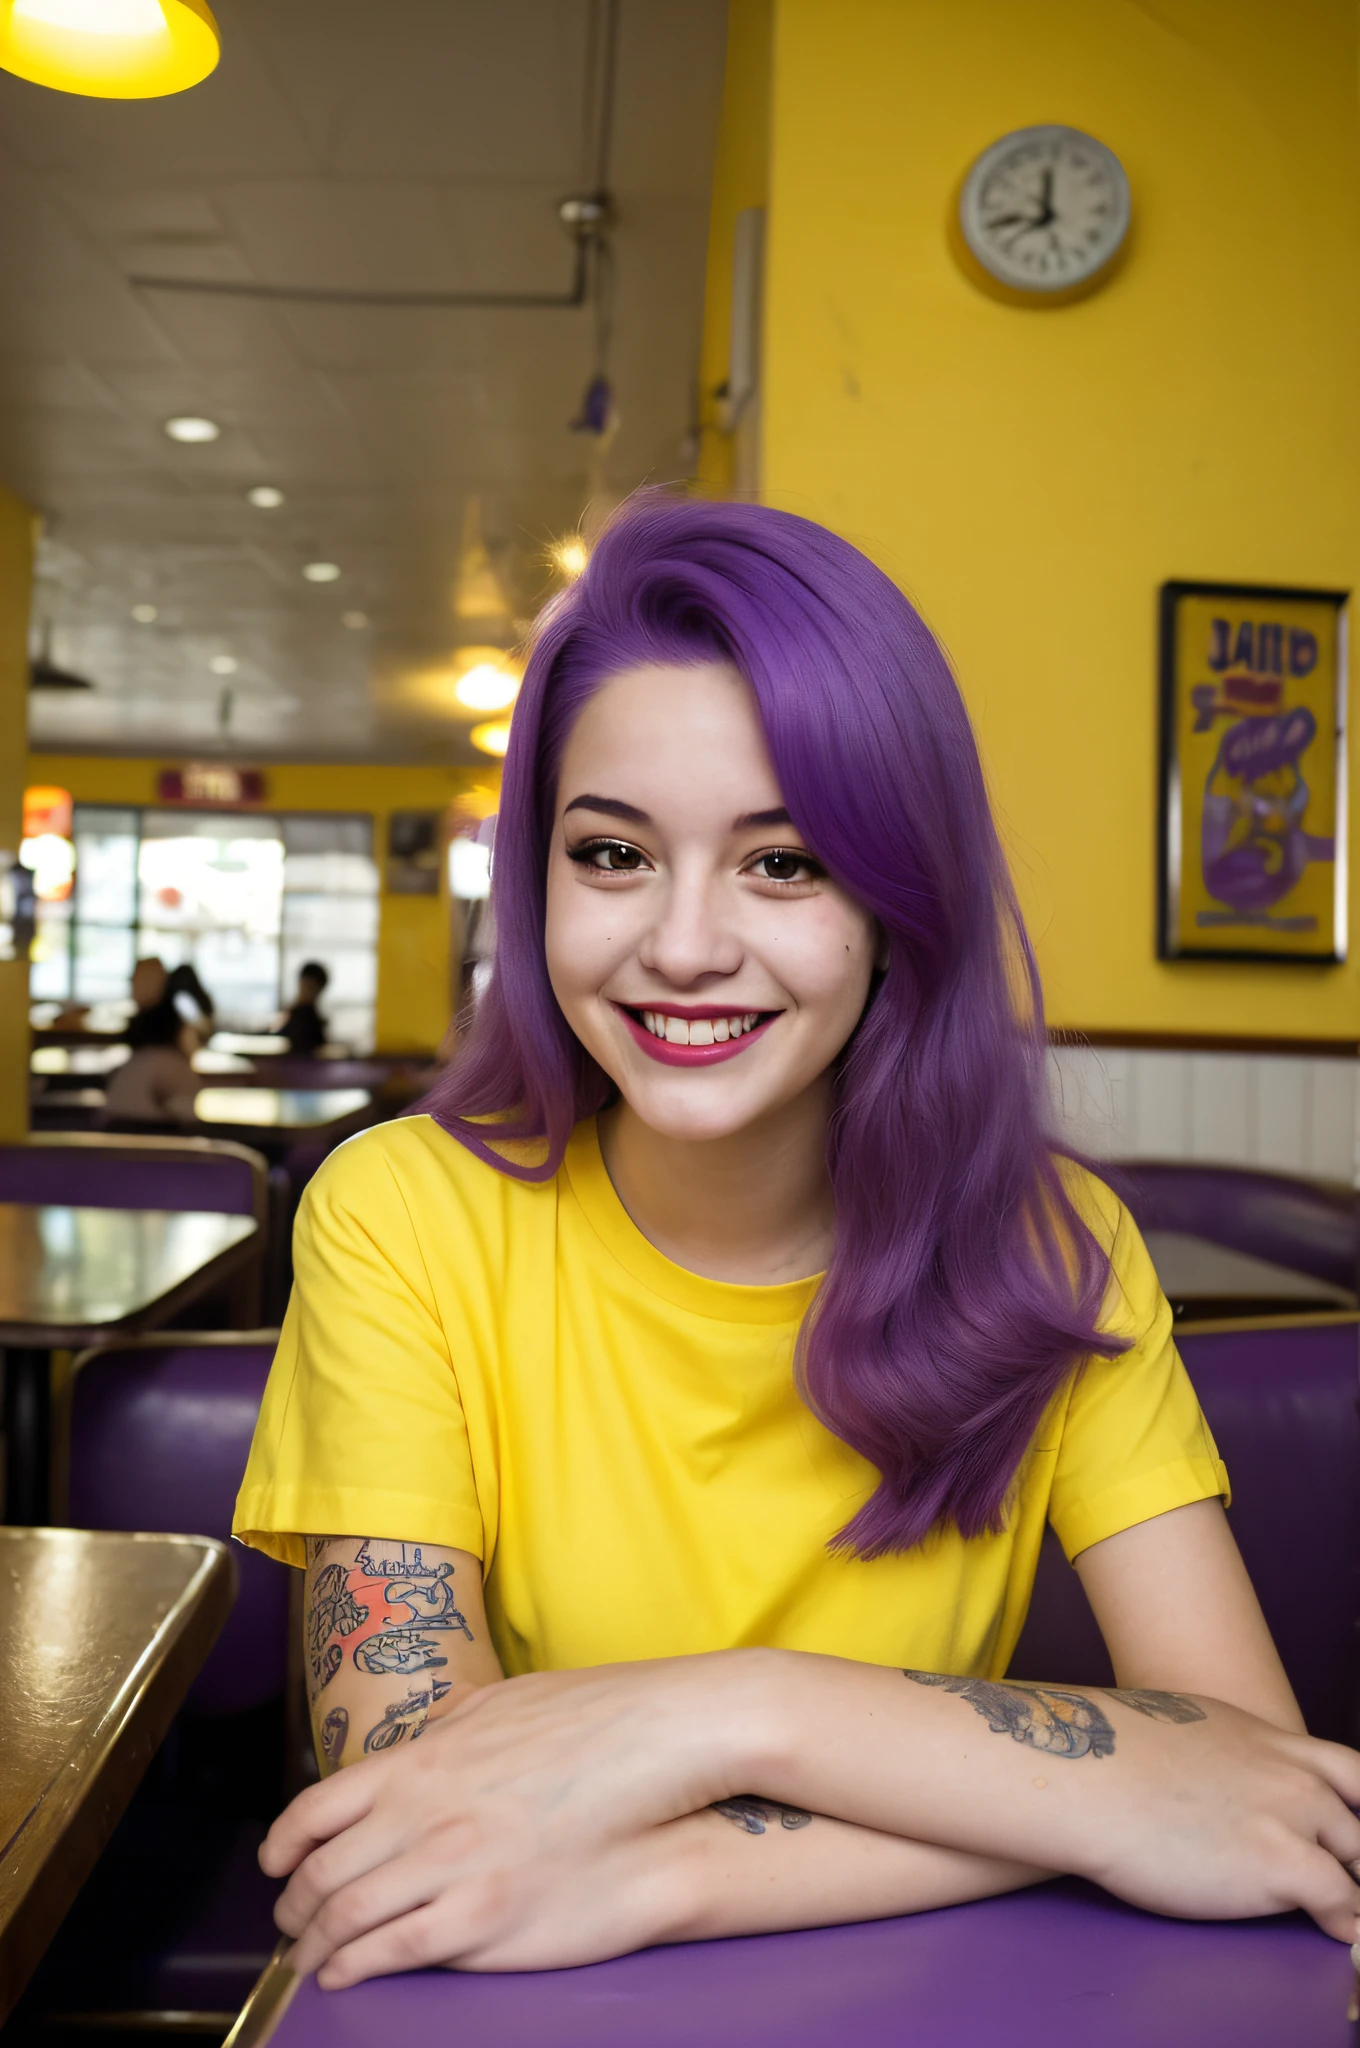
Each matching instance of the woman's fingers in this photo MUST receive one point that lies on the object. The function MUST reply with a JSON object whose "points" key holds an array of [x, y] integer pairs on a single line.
{"points": [[315, 1816], [1339, 1833], [363, 1907], [341, 1862], [1335, 1764], [1327, 1890], [417, 1941]]}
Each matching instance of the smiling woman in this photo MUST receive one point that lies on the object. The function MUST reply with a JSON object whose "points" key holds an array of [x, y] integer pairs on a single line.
{"points": [[715, 1351]]}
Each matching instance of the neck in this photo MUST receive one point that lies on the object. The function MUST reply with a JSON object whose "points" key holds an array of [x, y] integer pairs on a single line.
{"points": [[754, 1208]]}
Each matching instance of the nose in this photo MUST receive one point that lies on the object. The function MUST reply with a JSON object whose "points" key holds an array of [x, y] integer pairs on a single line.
{"points": [[692, 937]]}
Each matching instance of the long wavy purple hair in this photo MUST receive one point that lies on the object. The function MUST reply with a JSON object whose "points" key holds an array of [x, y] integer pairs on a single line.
{"points": [[963, 1287]]}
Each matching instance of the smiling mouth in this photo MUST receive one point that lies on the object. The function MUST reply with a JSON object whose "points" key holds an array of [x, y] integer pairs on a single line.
{"points": [[695, 1040]]}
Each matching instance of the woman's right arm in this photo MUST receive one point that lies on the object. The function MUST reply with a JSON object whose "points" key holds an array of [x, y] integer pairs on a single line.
{"points": [[394, 1634]]}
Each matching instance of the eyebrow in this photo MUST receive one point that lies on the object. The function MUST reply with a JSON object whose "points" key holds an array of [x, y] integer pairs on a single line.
{"points": [[611, 806], [614, 807]]}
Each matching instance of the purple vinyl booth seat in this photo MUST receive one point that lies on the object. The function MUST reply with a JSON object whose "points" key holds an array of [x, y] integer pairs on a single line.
{"points": [[1283, 1401], [1310, 1226], [154, 1435]]}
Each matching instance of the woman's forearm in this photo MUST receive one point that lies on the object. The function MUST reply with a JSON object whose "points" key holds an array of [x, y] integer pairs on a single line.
{"points": [[752, 1866], [1179, 1803]]}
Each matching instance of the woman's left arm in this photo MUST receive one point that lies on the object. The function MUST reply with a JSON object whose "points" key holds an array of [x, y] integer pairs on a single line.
{"points": [[1179, 1614]]}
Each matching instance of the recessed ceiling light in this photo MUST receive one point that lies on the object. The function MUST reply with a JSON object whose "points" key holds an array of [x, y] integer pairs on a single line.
{"points": [[493, 738], [356, 621], [569, 556], [189, 427], [322, 572], [223, 664], [487, 687], [267, 497], [144, 614]]}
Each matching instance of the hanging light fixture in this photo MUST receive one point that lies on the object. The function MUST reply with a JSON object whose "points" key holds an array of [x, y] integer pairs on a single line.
{"points": [[109, 49]]}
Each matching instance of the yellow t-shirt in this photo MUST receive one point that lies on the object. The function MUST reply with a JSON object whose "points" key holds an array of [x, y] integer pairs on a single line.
{"points": [[515, 1371]]}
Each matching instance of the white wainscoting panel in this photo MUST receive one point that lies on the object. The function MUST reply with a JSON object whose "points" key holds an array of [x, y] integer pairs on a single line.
{"points": [[1286, 1113]]}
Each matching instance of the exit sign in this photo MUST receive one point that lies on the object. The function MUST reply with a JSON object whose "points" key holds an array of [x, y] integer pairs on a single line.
{"points": [[211, 782]]}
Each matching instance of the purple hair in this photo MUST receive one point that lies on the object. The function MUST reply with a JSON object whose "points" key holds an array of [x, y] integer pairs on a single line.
{"points": [[963, 1287]]}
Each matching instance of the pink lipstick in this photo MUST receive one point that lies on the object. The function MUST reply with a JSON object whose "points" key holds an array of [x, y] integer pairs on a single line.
{"points": [[669, 1054]]}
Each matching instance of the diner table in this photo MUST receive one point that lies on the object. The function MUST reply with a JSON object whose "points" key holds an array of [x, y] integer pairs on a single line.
{"points": [[101, 1636], [72, 1277], [1211, 1282], [1062, 1966], [279, 1109]]}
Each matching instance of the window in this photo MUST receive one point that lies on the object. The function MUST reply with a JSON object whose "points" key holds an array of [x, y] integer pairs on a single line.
{"points": [[244, 898]]}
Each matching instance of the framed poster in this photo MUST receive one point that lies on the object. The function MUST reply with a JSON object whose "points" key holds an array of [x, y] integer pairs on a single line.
{"points": [[1252, 849], [413, 853]]}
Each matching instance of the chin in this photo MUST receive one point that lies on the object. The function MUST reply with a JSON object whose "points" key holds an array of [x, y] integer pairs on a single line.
{"points": [[685, 1108]]}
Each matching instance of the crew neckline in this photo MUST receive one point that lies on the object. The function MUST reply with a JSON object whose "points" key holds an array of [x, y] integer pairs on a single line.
{"points": [[726, 1301]]}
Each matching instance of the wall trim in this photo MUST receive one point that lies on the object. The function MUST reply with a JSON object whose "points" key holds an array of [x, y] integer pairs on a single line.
{"points": [[1206, 1041]]}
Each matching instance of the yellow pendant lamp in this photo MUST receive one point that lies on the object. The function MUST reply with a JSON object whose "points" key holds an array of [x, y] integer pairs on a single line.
{"points": [[109, 49]]}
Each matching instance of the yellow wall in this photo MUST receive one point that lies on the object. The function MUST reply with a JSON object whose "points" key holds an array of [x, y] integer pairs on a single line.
{"points": [[413, 935], [16, 549], [740, 179], [1031, 477]]}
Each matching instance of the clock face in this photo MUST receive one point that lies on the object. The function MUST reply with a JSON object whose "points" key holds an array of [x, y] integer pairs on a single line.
{"points": [[1045, 209]]}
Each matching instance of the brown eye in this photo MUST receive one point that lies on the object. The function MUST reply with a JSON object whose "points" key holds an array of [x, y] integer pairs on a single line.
{"points": [[784, 865], [609, 857]]}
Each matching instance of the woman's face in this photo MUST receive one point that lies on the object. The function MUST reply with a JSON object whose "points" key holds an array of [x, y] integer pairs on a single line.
{"points": [[697, 950]]}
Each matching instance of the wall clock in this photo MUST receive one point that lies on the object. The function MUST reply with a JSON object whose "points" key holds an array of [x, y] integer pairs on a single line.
{"points": [[1043, 216]]}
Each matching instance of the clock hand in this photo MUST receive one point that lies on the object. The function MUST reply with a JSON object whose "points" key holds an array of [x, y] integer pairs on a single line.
{"points": [[1046, 202], [1013, 220]]}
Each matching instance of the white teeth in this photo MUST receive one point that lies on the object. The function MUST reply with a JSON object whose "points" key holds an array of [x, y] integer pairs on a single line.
{"points": [[697, 1030]]}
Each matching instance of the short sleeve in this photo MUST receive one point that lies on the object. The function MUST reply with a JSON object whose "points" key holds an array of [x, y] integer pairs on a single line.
{"points": [[1134, 1442], [361, 1431]]}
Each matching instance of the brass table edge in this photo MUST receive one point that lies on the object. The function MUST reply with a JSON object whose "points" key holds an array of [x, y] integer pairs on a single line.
{"points": [[269, 1999], [114, 1728], [105, 1736]]}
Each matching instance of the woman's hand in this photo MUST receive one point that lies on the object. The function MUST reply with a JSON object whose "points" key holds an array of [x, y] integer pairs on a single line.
{"points": [[1236, 1819], [1178, 1803], [527, 1807]]}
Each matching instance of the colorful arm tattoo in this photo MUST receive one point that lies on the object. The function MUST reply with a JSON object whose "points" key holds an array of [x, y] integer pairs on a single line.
{"points": [[391, 1614]]}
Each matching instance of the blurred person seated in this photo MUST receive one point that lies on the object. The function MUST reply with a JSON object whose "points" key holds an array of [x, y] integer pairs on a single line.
{"points": [[304, 1026], [157, 1084]]}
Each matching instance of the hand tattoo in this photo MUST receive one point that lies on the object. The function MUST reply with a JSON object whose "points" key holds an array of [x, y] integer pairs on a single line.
{"points": [[1158, 1706], [1045, 1717], [402, 1722], [751, 1815], [334, 1730]]}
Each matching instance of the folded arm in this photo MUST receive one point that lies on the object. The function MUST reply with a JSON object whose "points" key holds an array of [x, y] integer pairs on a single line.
{"points": [[560, 1817]]}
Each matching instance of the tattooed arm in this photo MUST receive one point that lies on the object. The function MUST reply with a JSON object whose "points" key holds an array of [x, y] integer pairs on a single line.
{"points": [[580, 1793], [395, 1633]]}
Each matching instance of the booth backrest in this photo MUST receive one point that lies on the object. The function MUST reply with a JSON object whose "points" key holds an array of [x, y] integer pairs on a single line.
{"points": [[1297, 1223], [155, 1436], [94, 1171], [1283, 1401]]}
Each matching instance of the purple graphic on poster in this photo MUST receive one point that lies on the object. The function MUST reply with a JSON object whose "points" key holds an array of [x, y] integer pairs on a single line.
{"points": [[1252, 842]]}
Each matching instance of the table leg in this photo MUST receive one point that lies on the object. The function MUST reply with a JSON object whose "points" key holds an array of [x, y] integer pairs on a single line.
{"points": [[28, 1436]]}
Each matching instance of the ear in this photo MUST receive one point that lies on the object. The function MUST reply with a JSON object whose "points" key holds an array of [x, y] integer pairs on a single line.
{"points": [[883, 950]]}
